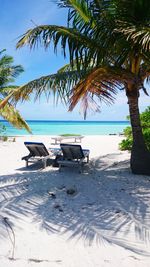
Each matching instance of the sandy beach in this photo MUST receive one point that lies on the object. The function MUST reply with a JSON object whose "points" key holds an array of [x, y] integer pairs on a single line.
{"points": [[104, 223]]}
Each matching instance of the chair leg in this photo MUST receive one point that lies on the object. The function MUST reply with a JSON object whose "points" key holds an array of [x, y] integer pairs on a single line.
{"points": [[80, 168], [59, 167], [26, 163], [44, 163]]}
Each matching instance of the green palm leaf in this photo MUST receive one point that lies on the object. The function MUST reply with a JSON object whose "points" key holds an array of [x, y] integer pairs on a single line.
{"points": [[12, 115], [138, 36], [8, 72], [80, 14], [82, 48]]}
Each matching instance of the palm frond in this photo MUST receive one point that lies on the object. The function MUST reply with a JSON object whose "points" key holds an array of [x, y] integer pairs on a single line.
{"points": [[145, 91], [137, 36], [58, 85], [80, 15], [12, 115], [8, 71], [100, 84], [6, 90], [44, 34], [5, 60], [81, 46]]}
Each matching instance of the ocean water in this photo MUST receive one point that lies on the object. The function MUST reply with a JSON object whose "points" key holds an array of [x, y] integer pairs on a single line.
{"points": [[70, 127]]}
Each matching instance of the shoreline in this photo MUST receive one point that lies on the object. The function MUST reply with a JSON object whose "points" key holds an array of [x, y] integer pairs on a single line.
{"points": [[47, 135]]}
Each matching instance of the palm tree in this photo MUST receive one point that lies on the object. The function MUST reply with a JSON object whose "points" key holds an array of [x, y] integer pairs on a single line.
{"points": [[8, 72], [109, 50]]}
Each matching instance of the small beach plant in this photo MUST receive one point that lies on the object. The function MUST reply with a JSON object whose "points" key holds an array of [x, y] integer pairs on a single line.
{"points": [[8, 73], [126, 144], [3, 135], [109, 50], [2, 129]]}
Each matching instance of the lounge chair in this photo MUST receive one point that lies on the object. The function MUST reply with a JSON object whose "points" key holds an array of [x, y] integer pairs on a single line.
{"points": [[73, 155], [38, 151]]}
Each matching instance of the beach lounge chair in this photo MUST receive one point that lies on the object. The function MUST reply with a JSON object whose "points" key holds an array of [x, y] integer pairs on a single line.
{"points": [[73, 155], [38, 151]]}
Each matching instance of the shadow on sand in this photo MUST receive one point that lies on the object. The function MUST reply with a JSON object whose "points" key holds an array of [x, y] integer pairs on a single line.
{"points": [[109, 204]]}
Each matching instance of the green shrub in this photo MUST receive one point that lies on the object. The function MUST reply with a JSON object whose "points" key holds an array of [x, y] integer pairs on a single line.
{"points": [[5, 138], [146, 133], [126, 144], [145, 118], [127, 132]]}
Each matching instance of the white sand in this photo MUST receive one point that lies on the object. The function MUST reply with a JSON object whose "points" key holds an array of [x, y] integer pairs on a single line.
{"points": [[105, 224]]}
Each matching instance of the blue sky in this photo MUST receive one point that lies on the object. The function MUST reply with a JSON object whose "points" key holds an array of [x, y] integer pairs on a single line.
{"points": [[17, 16]]}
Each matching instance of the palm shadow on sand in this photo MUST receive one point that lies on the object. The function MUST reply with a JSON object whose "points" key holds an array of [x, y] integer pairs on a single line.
{"points": [[107, 206]]}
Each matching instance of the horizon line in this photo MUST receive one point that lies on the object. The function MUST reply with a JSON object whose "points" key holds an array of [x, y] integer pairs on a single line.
{"points": [[73, 120]]}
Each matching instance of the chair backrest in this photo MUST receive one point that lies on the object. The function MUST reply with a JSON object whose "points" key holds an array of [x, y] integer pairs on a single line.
{"points": [[71, 152], [36, 149]]}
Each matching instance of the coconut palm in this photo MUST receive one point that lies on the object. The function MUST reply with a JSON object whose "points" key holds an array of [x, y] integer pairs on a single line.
{"points": [[109, 50], [8, 72]]}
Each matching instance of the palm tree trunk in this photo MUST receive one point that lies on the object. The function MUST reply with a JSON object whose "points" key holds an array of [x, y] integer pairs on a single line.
{"points": [[140, 156]]}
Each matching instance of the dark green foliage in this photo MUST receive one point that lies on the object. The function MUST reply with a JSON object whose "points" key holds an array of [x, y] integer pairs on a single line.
{"points": [[145, 119], [126, 144], [5, 138]]}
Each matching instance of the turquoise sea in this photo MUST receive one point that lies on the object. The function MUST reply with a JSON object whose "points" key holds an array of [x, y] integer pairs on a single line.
{"points": [[40, 127]]}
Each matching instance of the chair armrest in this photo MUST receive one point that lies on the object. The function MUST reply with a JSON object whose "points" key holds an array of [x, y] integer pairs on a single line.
{"points": [[27, 157]]}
